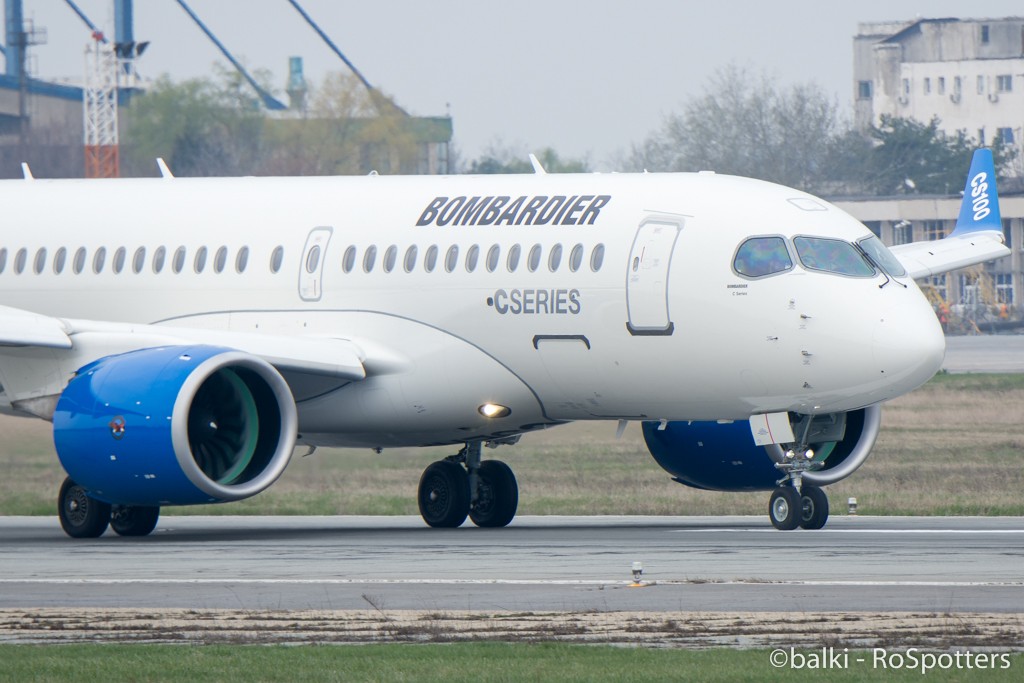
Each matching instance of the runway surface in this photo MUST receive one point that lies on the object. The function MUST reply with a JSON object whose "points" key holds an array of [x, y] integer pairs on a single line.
{"points": [[574, 564], [986, 353]]}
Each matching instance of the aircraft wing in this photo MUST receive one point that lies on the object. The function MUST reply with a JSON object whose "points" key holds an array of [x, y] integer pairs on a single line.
{"points": [[978, 236], [40, 354]]}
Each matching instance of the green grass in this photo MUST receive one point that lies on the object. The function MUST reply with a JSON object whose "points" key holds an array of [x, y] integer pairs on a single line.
{"points": [[955, 446], [475, 663]]}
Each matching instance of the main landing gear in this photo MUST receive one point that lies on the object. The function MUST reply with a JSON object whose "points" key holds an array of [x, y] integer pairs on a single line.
{"points": [[462, 485], [806, 507], [82, 516]]}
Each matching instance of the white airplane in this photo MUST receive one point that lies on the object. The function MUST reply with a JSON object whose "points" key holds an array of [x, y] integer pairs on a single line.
{"points": [[185, 336]]}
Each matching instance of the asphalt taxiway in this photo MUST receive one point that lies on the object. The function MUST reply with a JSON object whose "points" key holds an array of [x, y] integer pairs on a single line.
{"points": [[896, 564]]}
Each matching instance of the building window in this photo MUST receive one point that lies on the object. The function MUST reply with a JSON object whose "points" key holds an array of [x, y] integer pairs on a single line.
{"points": [[934, 230], [927, 86], [864, 90], [1005, 135], [1008, 233], [969, 290], [1004, 83], [939, 283], [981, 137], [957, 85], [1004, 288], [902, 232], [942, 85], [981, 85], [875, 227], [906, 86], [984, 34]]}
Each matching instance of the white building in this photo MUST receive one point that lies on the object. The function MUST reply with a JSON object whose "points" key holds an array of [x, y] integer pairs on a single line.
{"points": [[967, 72]]}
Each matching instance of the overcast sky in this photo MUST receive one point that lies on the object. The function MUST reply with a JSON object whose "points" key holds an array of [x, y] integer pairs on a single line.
{"points": [[586, 77]]}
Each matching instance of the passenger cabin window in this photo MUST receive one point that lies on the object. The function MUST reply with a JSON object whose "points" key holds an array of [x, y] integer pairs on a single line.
{"points": [[59, 260], [242, 259], [493, 255], [119, 255], [513, 258], [832, 256], [576, 258], [179, 260], [430, 260], [3, 259], [78, 265], [313, 259], [761, 256], [369, 258], [390, 257], [533, 260], [99, 259], [200, 261], [597, 258], [472, 258], [348, 261], [19, 261], [159, 258], [139, 260], [277, 259], [220, 260], [555, 258], [410, 259], [40, 263], [451, 259]]}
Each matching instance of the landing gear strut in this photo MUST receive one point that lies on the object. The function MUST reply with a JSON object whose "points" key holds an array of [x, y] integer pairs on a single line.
{"points": [[462, 485]]}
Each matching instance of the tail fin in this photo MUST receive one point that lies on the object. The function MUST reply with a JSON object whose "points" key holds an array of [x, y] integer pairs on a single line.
{"points": [[979, 210]]}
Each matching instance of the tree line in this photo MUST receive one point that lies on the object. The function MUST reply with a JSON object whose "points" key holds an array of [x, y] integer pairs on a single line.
{"points": [[742, 123]]}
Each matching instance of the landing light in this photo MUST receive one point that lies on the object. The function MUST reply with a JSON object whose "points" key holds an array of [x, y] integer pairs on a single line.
{"points": [[494, 410], [809, 453]]}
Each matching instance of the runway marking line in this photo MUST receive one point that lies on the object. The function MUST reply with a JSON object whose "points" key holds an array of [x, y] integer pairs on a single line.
{"points": [[514, 582]]}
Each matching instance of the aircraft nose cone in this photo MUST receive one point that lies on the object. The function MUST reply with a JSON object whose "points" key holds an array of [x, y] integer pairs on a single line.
{"points": [[908, 345]]}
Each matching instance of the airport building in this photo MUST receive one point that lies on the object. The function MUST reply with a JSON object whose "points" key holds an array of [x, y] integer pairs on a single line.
{"points": [[967, 72], [970, 74]]}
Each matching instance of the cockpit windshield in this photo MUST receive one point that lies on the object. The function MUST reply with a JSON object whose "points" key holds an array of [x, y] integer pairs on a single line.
{"points": [[882, 257], [832, 256], [760, 256]]}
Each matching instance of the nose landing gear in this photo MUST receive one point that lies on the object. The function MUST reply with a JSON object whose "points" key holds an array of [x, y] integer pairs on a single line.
{"points": [[463, 486]]}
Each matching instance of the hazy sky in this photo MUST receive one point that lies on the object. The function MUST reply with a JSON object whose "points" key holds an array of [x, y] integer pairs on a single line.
{"points": [[587, 77]]}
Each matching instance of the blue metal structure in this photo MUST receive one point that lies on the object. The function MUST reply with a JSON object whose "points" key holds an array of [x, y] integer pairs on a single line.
{"points": [[269, 101], [377, 97], [15, 52]]}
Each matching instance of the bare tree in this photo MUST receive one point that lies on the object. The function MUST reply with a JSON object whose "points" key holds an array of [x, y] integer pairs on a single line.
{"points": [[743, 124]]}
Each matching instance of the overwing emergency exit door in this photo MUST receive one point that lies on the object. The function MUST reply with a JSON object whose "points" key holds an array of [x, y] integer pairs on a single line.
{"points": [[648, 274], [311, 270]]}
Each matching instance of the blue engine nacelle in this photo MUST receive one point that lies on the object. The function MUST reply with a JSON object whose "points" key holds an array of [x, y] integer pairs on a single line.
{"points": [[176, 425], [724, 457]]}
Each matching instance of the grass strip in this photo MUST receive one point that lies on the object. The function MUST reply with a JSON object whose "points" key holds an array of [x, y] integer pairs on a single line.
{"points": [[470, 662]]}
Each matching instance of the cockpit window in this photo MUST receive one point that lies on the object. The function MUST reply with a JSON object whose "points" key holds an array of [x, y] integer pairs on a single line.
{"points": [[882, 257], [760, 256], [832, 256]]}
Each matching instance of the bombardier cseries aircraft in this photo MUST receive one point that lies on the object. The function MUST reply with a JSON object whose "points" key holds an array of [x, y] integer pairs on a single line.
{"points": [[185, 345]]}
